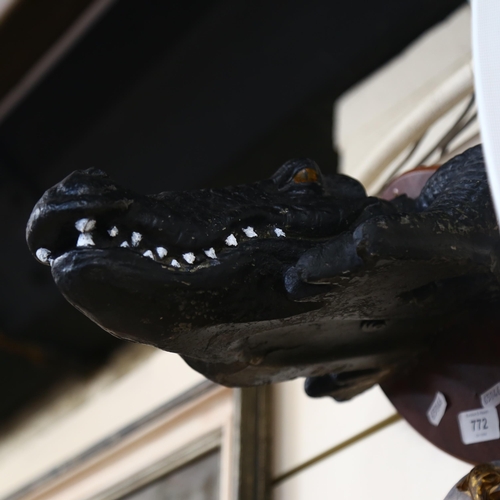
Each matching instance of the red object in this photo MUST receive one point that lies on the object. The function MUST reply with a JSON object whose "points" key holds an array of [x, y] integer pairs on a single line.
{"points": [[409, 183]]}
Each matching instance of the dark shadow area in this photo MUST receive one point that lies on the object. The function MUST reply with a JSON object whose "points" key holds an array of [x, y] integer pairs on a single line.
{"points": [[168, 96]]}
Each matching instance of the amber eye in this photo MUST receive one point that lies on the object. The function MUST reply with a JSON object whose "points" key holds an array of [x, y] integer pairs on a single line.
{"points": [[306, 175]]}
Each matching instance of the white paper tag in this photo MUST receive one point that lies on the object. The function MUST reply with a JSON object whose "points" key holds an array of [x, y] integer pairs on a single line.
{"points": [[491, 397], [436, 409], [479, 425]]}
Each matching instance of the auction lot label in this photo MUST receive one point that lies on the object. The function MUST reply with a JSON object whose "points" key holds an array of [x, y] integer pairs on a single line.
{"points": [[479, 425]]}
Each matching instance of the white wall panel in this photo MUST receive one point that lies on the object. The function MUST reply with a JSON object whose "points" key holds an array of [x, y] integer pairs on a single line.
{"points": [[304, 427], [393, 464], [374, 107], [27, 455]]}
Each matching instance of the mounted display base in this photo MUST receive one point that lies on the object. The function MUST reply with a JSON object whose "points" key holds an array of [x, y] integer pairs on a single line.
{"points": [[464, 366]]}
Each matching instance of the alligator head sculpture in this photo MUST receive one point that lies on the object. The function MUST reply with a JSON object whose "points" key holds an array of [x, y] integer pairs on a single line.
{"points": [[298, 275]]}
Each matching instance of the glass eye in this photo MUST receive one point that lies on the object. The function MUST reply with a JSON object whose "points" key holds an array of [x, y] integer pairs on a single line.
{"points": [[306, 175]]}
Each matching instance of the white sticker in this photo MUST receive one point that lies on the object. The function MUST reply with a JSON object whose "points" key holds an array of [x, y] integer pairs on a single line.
{"points": [[479, 425], [491, 397], [437, 408]]}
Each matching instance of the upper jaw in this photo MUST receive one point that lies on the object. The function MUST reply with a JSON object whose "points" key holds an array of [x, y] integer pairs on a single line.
{"points": [[88, 211], [138, 226], [145, 227]]}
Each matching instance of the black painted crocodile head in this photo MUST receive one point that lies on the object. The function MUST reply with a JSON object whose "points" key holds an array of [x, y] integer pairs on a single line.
{"points": [[256, 283], [157, 268]]}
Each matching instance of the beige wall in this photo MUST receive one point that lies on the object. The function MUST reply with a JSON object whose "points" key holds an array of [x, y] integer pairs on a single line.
{"points": [[393, 464], [376, 109], [84, 413]]}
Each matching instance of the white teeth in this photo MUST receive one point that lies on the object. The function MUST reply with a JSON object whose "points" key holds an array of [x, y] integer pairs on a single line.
{"points": [[136, 239], [210, 253], [124, 244], [250, 232], [279, 232], [43, 254], [162, 252], [174, 263], [113, 231], [85, 240], [85, 225], [231, 241], [189, 257], [149, 253]]}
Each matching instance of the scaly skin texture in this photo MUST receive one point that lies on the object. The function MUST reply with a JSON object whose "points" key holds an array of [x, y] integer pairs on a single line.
{"points": [[298, 275]]}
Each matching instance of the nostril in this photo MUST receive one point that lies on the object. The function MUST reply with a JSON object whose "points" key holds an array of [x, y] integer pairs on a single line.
{"points": [[84, 182], [94, 172]]}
